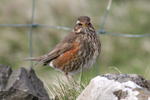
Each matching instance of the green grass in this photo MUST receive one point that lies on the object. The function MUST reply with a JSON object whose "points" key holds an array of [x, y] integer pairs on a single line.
{"points": [[65, 91]]}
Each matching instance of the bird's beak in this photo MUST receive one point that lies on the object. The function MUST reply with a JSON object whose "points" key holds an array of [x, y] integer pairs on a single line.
{"points": [[84, 24]]}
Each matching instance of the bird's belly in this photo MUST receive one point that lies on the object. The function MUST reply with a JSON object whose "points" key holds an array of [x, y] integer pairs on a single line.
{"points": [[87, 65]]}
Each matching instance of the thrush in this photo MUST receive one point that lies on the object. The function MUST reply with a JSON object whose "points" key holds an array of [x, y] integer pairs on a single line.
{"points": [[77, 52]]}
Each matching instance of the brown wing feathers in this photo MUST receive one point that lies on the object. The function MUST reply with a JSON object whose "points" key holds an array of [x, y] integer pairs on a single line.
{"points": [[59, 49]]}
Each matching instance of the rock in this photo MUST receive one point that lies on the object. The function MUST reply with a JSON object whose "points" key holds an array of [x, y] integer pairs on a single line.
{"points": [[21, 84], [117, 87]]}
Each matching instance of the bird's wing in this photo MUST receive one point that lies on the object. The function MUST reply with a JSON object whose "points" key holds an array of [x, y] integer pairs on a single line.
{"points": [[59, 49]]}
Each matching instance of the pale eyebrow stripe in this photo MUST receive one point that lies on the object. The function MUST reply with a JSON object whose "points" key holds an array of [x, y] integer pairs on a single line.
{"points": [[78, 21]]}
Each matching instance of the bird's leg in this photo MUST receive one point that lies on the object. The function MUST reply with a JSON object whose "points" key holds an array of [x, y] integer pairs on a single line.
{"points": [[74, 80], [66, 74]]}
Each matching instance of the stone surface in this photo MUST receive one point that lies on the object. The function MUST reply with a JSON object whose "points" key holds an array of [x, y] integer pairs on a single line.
{"points": [[117, 87], [21, 84]]}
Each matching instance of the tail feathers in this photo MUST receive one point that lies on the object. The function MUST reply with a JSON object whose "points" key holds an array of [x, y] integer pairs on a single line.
{"points": [[32, 59], [38, 59]]}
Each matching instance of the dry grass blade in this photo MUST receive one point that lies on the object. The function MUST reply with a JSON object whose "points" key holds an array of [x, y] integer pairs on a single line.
{"points": [[66, 91]]}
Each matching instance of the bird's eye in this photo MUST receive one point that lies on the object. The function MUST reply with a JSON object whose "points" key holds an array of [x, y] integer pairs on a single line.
{"points": [[80, 24], [89, 23]]}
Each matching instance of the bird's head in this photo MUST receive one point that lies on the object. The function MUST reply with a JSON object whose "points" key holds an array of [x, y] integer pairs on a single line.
{"points": [[83, 25]]}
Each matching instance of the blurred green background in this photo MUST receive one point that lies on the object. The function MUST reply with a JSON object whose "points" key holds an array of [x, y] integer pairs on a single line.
{"points": [[129, 55]]}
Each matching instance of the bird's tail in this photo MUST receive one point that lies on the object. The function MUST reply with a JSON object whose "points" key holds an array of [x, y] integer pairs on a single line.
{"points": [[33, 59]]}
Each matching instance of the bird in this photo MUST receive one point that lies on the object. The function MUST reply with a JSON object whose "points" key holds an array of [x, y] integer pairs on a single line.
{"points": [[76, 53]]}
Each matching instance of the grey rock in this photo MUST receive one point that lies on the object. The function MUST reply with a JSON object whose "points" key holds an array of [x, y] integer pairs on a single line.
{"points": [[21, 84], [139, 80], [5, 72], [117, 87]]}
